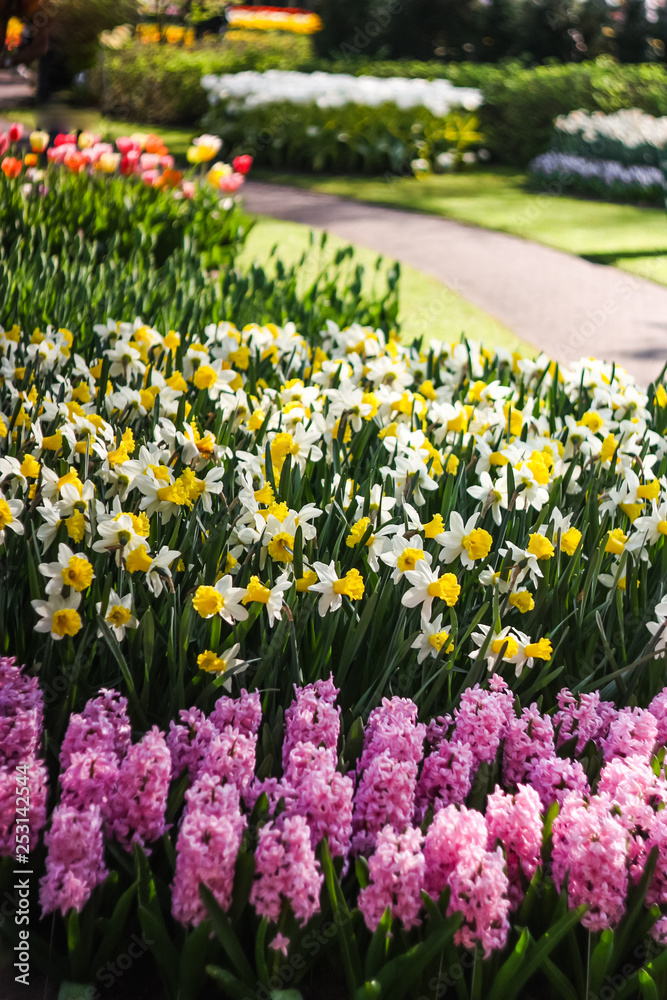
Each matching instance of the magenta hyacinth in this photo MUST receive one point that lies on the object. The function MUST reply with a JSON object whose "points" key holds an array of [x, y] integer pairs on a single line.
{"points": [[584, 716], [452, 827], [103, 725], [189, 740], [10, 780], [527, 739], [243, 713], [393, 726], [313, 717], [75, 859], [396, 878], [632, 733], [385, 794], [445, 779], [136, 810], [207, 847], [231, 756], [90, 779], [479, 888], [314, 789], [21, 713], [553, 777], [482, 719]]}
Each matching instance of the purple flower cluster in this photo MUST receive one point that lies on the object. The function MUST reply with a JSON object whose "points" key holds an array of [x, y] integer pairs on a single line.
{"points": [[21, 724]]}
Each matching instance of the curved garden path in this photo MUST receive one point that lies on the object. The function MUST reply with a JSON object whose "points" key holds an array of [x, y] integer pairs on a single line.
{"points": [[565, 306]]}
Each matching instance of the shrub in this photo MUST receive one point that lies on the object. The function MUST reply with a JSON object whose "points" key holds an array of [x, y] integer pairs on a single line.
{"points": [[162, 84]]}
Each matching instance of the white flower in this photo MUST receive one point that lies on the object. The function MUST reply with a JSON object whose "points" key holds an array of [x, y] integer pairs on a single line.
{"points": [[492, 494], [10, 511], [431, 640], [118, 615], [453, 541], [71, 570], [59, 615], [427, 585]]}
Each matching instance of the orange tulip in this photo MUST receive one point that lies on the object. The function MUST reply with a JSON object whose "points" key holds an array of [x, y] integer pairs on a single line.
{"points": [[11, 167], [75, 162], [154, 144], [31, 159]]}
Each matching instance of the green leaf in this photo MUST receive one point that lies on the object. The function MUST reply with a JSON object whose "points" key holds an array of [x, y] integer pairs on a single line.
{"points": [[227, 936], [343, 920], [192, 962]]}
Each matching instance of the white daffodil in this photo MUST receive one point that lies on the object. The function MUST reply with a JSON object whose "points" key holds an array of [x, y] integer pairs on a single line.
{"points": [[71, 570], [403, 554], [493, 495], [118, 615], [59, 615], [333, 588], [432, 639], [426, 586], [10, 512]]}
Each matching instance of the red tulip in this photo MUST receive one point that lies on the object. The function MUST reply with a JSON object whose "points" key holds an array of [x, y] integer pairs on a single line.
{"points": [[242, 164]]}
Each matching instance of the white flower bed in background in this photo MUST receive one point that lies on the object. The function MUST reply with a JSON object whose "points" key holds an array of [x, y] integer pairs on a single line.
{"points": [[633, 128], [333, 90]]}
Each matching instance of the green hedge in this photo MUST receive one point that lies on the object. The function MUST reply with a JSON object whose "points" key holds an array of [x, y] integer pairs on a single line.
{"points": [[520, 102], [162, 83]]}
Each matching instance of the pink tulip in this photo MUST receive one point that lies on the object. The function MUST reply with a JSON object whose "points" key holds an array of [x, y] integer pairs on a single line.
{"points": [[4, 143], [125, 144], [230, 183], [188, 189], [16, 131], [149, 161], [149, 177]]}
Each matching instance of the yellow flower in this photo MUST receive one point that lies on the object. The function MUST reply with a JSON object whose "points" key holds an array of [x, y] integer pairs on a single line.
{"points": [[230, 563], [6, 516], [452, 465], [649, 491], [539, 650], [77, 574], [210, 662], [138, 560], [438, 640], [66, 622], [76, 526], [523, 600], [477, 544], [205, 377], [265, 495], [409, 558], [176, 381], [608, 448], [497, 458], [569, 541], [306, 581], [661, 397], [256, 591], [511, 650], [357, 532], [118, 616], [616, 540], [30, 467], [540, 546], [592, 420], [435, 526], [351, 585], [281, 547], [447, 588], [633, 510], [207, 601]]}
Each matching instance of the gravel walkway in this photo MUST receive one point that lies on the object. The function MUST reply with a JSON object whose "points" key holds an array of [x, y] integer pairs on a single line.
{"points": [[562, 304]]}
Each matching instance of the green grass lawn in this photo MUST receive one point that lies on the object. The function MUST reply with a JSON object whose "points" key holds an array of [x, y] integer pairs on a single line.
{"points": [[631, 237], [427, 306]]}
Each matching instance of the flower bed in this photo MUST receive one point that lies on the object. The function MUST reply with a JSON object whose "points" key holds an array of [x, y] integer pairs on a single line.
{"points": [[292, 19], [602, 178]]}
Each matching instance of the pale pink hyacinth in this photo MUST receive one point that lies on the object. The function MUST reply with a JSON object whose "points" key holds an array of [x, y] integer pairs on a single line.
{"points": [[286, 869], [554, 777], [231, 756], [482, 719], [393, 726], [75, 859], [657, 891], [313, 717], [136, 811], [189, 740], [243, 713], [585, 716], [90, 779], [103, 725], [527, 739], [590, 844], [516, 821], [385, 794], [445, 779], [633, 732], [396, 878], [479, 889], [451, 829], [207, 847]]}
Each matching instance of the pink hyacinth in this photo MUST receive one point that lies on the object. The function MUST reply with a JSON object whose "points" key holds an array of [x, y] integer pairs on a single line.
{"points": [[590, 844], [445, 779], [553, 777], [527, 739], [396, 878], [386, 794], [657, 892], [90, 779], [136, 811], [313, 717], [451, 829], [314, 789], [658, 709], [231, 756], [393, 726], [21, 713], [633, 733], [479, 888], [75, 859], [36, 790], [207, 847], [585, 716], [286, 869], [516, 821], [189, 741], [103, 725], [243, 713], [482, 719], [636, 792]]}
